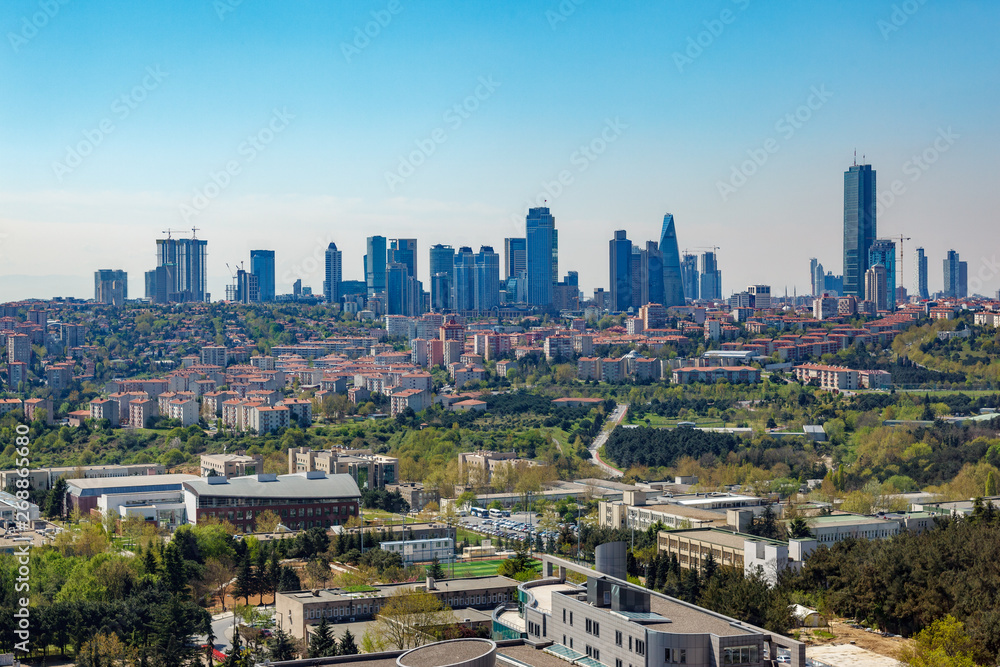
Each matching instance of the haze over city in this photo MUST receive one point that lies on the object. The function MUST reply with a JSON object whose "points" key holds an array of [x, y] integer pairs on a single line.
{"points": [[444, 123]]}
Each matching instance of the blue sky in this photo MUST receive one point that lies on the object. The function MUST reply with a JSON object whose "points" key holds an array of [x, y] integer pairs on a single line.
{"points": [[667, 120]]}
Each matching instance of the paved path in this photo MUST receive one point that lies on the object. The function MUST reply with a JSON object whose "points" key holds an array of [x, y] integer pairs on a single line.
{"points": [[616, 418]]}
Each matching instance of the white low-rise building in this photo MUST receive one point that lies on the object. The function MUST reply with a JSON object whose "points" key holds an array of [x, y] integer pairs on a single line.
{"points": [[422, 551]]}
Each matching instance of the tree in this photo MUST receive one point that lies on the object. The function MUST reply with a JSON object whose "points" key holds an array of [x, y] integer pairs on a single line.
{"points": [[435, 570], [798, 528], [281, 647], [943, 644], [322, 643], [219, 575], [57, 495], [318, 572], [405, 611], [174, 572], [105, 650], [244, 585], [267, 522], [347, 645]]}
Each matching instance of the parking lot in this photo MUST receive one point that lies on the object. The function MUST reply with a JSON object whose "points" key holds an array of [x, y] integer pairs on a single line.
{"points": [[519, 525]]}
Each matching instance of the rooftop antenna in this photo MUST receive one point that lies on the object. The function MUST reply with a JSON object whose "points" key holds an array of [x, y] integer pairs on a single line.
{"points": [[855, 157]]}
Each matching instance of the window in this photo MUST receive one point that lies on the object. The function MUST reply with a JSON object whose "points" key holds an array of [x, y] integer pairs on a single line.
{"points": [[684, 656], [571, 618], [618, 638], [564, 618], [640, 647], [618, 663]]}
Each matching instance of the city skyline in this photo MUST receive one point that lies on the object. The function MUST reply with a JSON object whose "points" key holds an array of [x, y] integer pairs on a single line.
{"points": [[320, 172]]}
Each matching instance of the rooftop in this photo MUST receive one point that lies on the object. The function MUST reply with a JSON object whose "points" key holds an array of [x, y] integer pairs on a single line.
{"points": [[301, 485], [129, 480], [447, 585]]}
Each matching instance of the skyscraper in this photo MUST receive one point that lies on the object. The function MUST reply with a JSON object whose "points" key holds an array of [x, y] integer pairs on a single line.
{"points": [[464, 283], [711, 277], [262, 266], [922, 275], [397, 289], [334, 274], [184, 261], [620, 249], [883, 251], [876, 287], [110, 287], [813, 263], [442, 259], [245, 288], [860, 227], [487, 279], [541, 251], [951, 274], [819, 280], [375, 265], [404, 251], [514, 251], [673, 288], [654, 273], [442, 264], [690, 276]]}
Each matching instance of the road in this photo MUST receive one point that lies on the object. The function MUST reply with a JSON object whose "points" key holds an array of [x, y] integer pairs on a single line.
{"points": [[616, 418], [222, 628]]}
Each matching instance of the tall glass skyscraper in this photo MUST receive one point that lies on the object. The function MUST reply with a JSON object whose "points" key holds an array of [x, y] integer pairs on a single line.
{"points": [[690, 276], [621, 272], [540, 256], [883, 251], [711, 277], [183, 275], [487, 279], [956, 276], [922, 275], [514, 250], [464, 284], [442, 259], [262, 266], [860, 227], [673, 287], [333, 275], [404, 251], [654, 273], [375, 265]]}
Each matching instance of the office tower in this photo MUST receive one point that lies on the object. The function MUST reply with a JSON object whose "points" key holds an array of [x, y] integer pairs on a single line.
{"points": [[297, 287], [464, 284], [566, 294], [638, 277], [541, 246], [514, 252], [404, 251], [442, 259], [375, 265], [262, 266], [963, 280], [690, 276], [673, 287], [620, 249], [832, 284], [654, 273], [397, 289], [711, 277], [110, 287], [334, 274], [883, 251], [952, 275], [860, 227], [440, 292], [487, 279], [922, 292], [876, 287], [761, 296], [813, 286], [185, 275]]}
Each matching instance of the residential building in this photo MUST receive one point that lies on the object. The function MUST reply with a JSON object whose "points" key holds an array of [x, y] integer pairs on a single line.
{"points": [[111, 286], [711, 374], [761, 296], [690, 277], [830, 378], [18, 348], [711, 277], [955, 276], [103, 408], [180, 270], [302, 500], [876, 287], [860, 228], [214, 355]]}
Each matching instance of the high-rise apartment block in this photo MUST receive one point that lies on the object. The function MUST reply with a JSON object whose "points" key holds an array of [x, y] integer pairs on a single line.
{"points": [[956, 276], [690, 276], [860, 227], [180, 270], [876, 287], [711, 277], [110, 287]]}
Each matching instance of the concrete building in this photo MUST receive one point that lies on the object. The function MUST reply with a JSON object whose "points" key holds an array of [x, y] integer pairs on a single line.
{"points": [[416, 494], [300, 611], [711, 374], [302, 500], [82, 494], [231, 465], [42, 479], [609, 621], [369, 470]]}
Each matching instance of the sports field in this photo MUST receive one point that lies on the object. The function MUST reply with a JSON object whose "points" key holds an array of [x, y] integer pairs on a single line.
{"points": [[479, 568]]}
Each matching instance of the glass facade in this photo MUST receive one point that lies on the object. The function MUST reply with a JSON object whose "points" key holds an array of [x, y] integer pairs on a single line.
{"points": [[883, 252], [262, 266], [673, 288], [860, 227], [541, 249]]}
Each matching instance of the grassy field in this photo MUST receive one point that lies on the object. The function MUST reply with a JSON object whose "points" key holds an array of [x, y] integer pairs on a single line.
{"points": [[480, 568], [657, 421]]}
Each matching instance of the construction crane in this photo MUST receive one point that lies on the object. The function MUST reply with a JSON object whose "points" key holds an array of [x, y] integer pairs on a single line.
{"points": [[901, 255], [168, 232], [194, 232]]}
